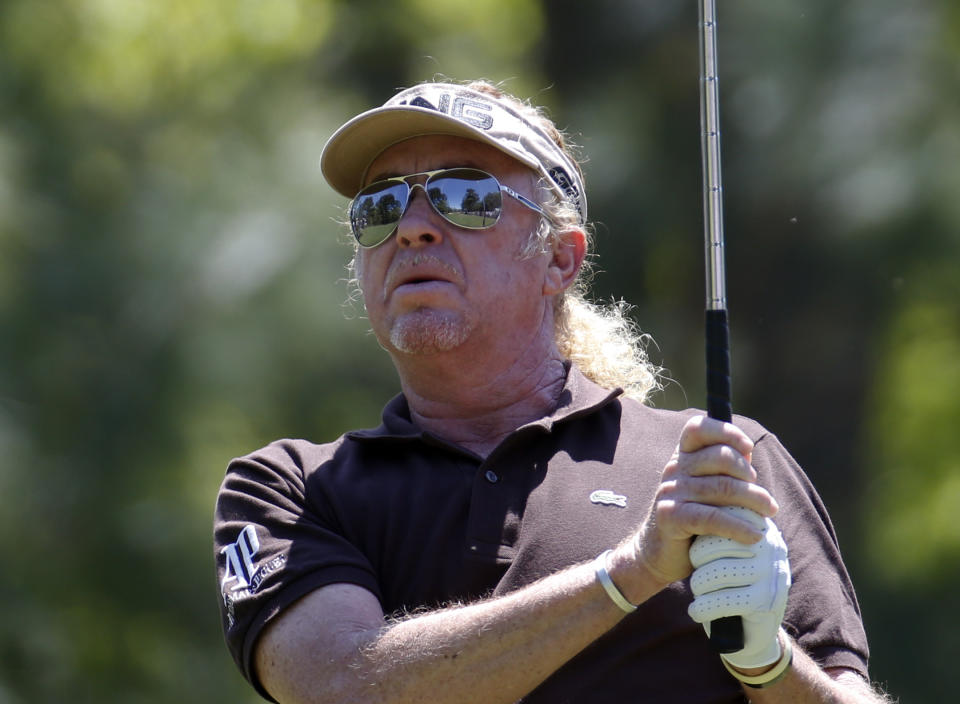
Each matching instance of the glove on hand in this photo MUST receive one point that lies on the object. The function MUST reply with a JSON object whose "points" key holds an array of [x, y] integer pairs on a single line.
{"points": [[750, 581]]}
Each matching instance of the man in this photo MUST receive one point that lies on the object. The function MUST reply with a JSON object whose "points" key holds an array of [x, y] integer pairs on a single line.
{"points": [[517, 528]]}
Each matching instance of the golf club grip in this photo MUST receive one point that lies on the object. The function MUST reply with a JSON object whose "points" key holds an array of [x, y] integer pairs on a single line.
{"points": [[718, 366], [726, 634]]}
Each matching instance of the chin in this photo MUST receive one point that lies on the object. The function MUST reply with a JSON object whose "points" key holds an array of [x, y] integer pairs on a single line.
{"points": [[428, 332]]}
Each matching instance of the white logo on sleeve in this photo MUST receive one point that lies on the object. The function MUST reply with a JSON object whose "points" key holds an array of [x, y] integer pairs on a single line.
{"points": [[239, 555], [242, 576], [608, 498]]}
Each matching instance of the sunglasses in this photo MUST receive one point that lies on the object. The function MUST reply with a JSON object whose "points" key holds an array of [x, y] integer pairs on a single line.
{"points": [[468, 198]]}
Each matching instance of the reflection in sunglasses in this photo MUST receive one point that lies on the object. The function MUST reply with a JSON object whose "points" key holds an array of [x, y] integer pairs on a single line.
{"points": [[376, 210]]}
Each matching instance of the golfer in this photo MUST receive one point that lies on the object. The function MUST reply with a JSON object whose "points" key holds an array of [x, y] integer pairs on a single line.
{"points": [[520, 526]]}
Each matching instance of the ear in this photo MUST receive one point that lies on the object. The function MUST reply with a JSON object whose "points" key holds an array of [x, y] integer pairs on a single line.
{"points": [[569, 250]]}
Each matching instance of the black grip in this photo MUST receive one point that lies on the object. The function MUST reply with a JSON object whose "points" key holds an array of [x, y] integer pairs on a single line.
{"points": [[726, 634], [718, 366]]}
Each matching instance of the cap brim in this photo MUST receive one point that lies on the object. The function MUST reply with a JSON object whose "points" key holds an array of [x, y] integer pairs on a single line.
{"points": [[352, 148]]}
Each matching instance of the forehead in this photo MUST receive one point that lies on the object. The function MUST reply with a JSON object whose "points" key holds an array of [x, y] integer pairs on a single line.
{"points": [[429, 152]]}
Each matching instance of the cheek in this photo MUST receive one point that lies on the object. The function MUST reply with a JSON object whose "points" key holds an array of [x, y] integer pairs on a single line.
{"points": [[368, 270], [370, 277], [514, 284]]}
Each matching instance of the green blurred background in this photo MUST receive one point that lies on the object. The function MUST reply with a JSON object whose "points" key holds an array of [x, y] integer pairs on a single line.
{"points": [[172, 281]]}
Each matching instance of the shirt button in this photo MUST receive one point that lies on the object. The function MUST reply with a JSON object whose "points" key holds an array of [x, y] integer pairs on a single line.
{"points": [[492, 476]]}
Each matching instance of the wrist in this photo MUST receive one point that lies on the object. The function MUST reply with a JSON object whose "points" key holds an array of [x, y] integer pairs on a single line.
{"points": [[760, 651], [613, 591], [630, 572], [760, 677]]}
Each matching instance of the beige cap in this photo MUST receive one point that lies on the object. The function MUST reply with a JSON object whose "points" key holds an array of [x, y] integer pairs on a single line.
{"points": [[447, 109]]}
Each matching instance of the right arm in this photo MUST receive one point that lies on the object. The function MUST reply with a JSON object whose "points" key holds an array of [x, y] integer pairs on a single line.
{"points": [[335, 645]]}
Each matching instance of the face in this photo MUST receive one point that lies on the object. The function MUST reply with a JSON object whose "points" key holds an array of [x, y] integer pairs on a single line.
{"points": [[432, 287]]}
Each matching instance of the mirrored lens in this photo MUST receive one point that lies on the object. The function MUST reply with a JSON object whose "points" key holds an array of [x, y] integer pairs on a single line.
{"points": [[376, 210], [466, 197]]}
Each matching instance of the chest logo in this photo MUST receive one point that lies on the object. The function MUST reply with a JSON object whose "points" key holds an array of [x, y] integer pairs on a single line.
{"points": [[608, 498]]}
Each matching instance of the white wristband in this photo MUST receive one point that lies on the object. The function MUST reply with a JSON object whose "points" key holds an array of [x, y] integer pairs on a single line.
{"points": [[600, 569]]}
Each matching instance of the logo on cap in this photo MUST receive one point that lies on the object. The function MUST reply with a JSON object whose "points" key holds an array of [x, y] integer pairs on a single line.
{"points": [[473, 112], [567, 185]]}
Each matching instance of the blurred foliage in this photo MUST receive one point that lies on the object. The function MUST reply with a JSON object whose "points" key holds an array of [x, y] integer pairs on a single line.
{"points": [[918, 520], [172, 280]]}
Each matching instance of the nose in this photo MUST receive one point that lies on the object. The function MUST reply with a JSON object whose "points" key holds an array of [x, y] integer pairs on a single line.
{"points": [[419, 225]]}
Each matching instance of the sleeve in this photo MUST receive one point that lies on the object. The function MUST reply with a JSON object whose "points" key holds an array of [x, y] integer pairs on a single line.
{"points": [[822, 610], [273, 544]]}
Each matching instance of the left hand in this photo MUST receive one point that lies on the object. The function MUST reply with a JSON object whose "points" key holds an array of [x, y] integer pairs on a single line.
{"points": [[709, 469], [750, 581]]}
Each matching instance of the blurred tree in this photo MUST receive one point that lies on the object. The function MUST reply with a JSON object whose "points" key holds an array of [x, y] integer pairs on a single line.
{"points": [[173, 284]]}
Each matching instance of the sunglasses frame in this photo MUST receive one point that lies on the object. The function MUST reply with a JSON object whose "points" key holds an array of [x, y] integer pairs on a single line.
{"points": [[429, 175]]}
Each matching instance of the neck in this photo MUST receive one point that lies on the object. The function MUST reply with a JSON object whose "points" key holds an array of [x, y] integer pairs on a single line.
{"points": [[477, 399]]}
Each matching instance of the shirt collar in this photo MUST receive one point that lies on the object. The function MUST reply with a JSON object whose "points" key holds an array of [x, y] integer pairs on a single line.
{"points": [[579, 397]]}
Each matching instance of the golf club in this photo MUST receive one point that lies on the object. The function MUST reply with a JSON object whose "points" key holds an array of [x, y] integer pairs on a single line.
{"points": [[726, 634]]}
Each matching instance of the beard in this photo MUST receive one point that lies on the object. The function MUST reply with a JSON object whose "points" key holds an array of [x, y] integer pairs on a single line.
{"points": [[428, 331]]}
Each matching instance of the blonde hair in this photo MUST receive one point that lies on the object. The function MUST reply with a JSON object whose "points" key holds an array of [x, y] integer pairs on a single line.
{"points": [[601, 339]]}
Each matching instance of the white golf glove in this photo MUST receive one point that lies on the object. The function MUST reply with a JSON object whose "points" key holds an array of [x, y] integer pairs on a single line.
{"points": [[750, 581]]}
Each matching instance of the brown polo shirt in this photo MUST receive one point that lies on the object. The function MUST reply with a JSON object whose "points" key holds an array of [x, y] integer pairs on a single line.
{"points": [[421, 522]]}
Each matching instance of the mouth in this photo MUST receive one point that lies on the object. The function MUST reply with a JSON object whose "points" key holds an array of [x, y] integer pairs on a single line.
{"points": [[421, 271], [421, 287], [418, 280]]}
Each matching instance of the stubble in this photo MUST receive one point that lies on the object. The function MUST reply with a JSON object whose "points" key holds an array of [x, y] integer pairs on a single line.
{"points": [[428, 331]]}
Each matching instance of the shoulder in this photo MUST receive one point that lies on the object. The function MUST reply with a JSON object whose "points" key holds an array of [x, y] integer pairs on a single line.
{"points": [[284, 468], [290, 456], [672, 421], [303, 457], [294, 452]]}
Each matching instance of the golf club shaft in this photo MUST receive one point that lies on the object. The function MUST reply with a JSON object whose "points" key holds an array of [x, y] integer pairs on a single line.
{"points": [[726, 634]]}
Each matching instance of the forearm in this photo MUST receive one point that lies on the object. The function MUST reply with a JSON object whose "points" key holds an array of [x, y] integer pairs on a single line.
{"points": [[492, 651], [496, 650], [807, 683]]}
